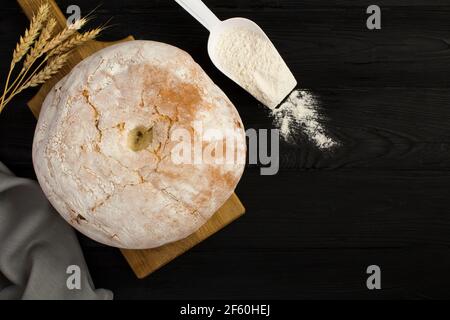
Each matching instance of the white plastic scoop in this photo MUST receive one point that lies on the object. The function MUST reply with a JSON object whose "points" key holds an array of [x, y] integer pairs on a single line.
{"points": [[254, 64]]}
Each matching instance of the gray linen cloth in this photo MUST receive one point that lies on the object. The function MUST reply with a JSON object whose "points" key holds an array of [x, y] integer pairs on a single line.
{"points": [[37, 247]]}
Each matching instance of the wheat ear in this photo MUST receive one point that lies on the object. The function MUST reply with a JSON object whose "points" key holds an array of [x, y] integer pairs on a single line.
{"points": [[49, 70], [75, 41], [37, 50], [42, 76], [55, 51], [25, 42], [64, 35], [31, 33], [56, 41]]}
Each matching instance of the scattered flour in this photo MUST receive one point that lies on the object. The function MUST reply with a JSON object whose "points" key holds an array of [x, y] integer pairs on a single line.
{"points": [[250, 59], [299, 112]]}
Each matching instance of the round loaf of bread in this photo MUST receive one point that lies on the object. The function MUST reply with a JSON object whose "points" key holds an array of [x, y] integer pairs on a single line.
{"points": [[107, 147]]}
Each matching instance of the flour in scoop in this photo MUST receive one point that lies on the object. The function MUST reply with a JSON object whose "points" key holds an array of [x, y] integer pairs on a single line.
{"points": [[252, 61]]}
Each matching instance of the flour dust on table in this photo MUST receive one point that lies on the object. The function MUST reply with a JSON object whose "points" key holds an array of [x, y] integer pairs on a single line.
{"points": [[299, 113]]}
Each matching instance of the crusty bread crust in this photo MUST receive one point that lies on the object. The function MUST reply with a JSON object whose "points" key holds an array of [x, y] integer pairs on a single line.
{"points": [[111, 193]]}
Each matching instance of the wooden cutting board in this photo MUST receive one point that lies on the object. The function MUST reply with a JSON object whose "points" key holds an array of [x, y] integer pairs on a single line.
{"points": [[143, 262]]}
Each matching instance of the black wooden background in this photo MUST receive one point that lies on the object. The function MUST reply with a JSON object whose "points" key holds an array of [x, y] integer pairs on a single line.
{"points": [[311, 231]]}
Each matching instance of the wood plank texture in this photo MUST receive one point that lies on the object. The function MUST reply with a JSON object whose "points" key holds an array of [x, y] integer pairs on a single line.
{"points": [[311, 231]]}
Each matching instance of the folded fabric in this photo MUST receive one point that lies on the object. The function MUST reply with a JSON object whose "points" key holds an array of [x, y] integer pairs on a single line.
{"points": [[40, 257]]}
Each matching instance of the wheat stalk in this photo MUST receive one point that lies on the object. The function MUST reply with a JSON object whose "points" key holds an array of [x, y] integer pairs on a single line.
{"points": [[46, 46], [43, 75], [64, 35], [55, 51], [75, 41], [37, 50], [46, 73], [25, 42], [31, 33]]}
